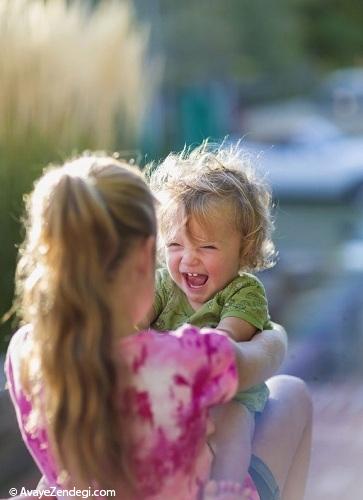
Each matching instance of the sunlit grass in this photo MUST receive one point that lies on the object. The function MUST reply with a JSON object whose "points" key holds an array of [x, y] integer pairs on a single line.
{"points": [[67, 72]]}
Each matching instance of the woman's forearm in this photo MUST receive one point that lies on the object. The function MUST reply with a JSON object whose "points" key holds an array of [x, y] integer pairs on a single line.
{"points": [[259, 358]]}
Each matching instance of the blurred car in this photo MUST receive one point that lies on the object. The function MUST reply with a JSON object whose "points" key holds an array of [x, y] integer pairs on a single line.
{"points": [[304, 155], [340, 98], [288, 123]]}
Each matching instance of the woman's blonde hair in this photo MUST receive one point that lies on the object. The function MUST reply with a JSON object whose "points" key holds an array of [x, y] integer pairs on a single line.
{"points": [[82, 219], [203, 182]]}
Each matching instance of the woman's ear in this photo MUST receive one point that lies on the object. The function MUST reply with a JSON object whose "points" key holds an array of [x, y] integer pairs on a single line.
{"points": [[147, 251], [133, 283]]}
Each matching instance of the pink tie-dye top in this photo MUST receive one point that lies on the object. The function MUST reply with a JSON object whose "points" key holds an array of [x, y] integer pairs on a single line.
{"points": [[176, 378]]}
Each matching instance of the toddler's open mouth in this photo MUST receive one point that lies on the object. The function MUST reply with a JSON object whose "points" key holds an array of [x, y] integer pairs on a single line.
{"points": [[195, 280]]}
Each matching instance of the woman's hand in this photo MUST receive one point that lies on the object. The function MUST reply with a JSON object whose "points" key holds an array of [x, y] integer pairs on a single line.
{"points": [[229, 490]]}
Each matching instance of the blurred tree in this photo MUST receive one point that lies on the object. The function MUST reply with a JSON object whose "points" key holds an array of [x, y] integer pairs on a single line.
{"points": [[333, 31], [233, 39], [219, 55]]}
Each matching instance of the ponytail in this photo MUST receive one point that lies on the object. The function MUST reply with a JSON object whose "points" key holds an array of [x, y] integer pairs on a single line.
{"points": [[83, 220]]}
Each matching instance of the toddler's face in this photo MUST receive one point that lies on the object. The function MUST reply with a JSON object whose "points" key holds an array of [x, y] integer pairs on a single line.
{"points": [[201, 260]]}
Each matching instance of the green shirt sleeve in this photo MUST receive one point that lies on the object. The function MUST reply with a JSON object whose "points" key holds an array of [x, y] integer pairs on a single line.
{"points": [[161, 291], [245, 298]]}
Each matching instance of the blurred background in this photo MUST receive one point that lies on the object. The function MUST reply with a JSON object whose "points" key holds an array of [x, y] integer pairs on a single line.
{"points": [[285, 78]]}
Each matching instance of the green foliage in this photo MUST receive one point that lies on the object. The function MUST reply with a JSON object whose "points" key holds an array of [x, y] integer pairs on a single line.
{"points": [[244, 39], [333, 32], [230, 39], [19, 166]]}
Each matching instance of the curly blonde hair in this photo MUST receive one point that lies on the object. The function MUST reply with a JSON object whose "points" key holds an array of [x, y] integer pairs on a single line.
{"points": [[206, 181], [82, 220]]}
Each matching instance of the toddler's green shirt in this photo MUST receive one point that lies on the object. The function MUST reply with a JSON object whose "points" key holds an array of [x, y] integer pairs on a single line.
{"points": [[244, 298]]}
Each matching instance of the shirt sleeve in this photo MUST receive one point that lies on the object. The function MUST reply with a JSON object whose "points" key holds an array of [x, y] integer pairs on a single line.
{"points": [[246, 299], [161, 291], [210, 364]]}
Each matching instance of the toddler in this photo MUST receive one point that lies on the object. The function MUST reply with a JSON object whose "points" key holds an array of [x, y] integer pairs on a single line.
{"points": [[215, 227]]}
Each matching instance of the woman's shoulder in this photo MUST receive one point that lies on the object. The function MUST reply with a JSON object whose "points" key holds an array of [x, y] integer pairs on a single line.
{"points": [[19, 349], [18, 345], [185, 336], [187, 347]]}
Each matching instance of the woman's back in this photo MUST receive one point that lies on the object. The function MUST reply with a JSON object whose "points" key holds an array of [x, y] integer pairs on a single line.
{"points": [[175, 378]]}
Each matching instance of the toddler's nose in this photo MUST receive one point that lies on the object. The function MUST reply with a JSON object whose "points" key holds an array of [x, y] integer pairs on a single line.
{"points": [[189, 257]]}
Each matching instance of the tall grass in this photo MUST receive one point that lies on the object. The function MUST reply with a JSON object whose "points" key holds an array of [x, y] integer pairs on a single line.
{"points": [[71, 78]]}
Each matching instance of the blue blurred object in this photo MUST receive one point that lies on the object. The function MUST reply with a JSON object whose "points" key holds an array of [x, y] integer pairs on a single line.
{"points": [[340, 97], [316, 174], [303, 155]]}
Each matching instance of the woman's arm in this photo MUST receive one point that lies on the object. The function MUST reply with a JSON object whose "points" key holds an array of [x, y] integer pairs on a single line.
{"points": [[259, 358]]}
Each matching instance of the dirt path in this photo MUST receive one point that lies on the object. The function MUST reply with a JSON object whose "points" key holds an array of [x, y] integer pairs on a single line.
{"points": [[336, 471]]}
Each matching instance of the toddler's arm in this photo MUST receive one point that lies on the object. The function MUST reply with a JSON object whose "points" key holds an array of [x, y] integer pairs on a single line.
{"points": [[237, 328], [260, 358]]}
